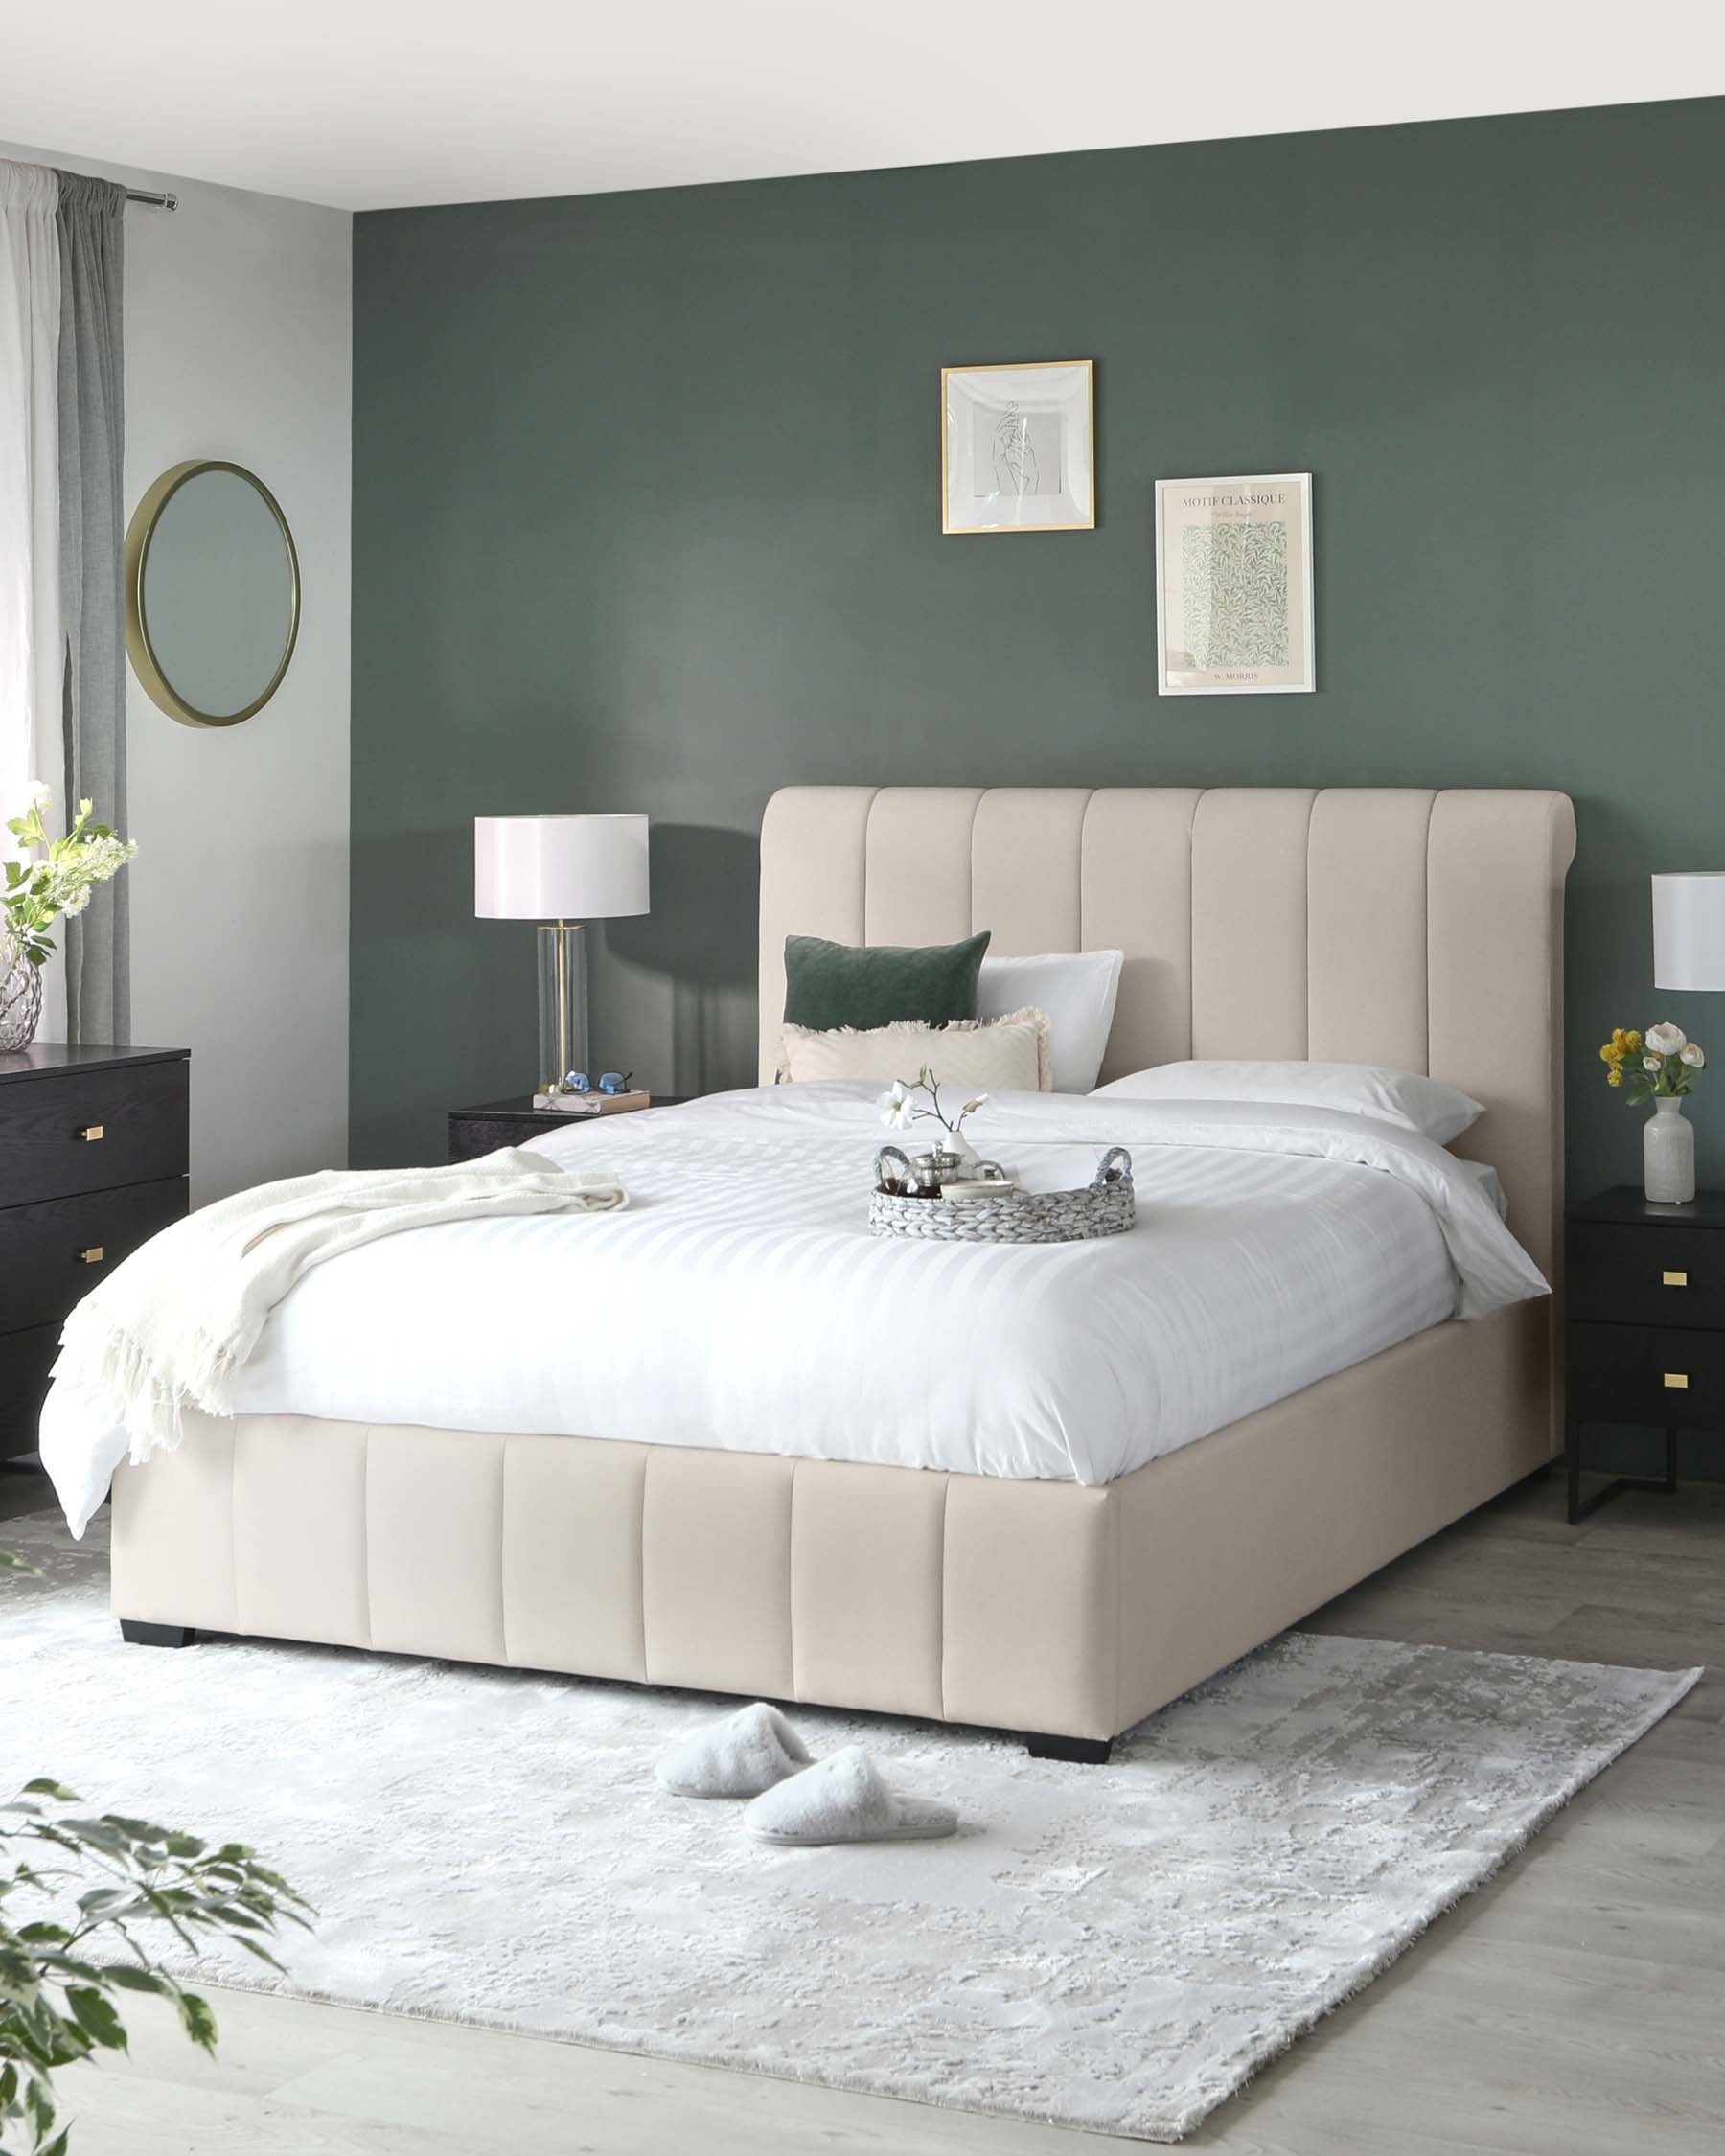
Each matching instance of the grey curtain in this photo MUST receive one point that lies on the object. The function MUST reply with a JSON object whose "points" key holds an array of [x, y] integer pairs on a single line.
{"points": [[92, 453]]}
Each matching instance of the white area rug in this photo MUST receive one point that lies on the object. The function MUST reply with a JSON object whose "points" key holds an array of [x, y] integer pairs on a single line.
{"points": [[1114, 1947]]}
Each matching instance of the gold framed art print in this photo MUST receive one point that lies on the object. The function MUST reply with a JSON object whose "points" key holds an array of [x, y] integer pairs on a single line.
{"points": [[1018, 448]]}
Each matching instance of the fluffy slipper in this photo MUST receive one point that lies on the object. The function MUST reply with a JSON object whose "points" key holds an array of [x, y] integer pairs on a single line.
{"points": [[749, 1750], [845, 1799]]}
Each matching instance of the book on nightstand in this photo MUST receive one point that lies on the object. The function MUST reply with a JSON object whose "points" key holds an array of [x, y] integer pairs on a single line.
{"points": [[591, 1104]]}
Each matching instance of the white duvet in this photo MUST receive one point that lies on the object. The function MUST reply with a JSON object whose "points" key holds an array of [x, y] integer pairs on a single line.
{"points": [[739, 1301]]}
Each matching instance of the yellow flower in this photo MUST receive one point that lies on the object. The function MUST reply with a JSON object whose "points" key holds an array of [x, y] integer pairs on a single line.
{"points": [[1615, 1075], [1633, 1042], [1611, 1052]]}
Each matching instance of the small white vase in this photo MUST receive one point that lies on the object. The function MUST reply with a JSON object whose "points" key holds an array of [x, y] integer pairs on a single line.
{"points": [[1669, 1155]]}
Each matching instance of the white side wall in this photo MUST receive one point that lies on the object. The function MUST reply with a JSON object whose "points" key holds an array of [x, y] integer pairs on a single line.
{"points": [[239, 343]]}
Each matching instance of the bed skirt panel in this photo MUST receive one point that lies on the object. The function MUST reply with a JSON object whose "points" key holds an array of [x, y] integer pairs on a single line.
{"points": [[1020, 1605], [951, 1597]]}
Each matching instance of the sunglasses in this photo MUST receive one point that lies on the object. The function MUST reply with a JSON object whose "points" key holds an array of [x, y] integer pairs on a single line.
{"points": [[611, 1082]]}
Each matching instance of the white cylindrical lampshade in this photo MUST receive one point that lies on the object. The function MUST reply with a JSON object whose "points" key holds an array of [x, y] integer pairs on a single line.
{"points": [[558, 868], [1689, 931]]}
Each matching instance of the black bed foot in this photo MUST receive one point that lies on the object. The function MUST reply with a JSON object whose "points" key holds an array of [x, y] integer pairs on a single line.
{"points": [[1074, 1750], [136, 1634]]}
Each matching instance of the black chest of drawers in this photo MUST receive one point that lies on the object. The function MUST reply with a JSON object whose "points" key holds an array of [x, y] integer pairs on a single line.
{"points": [[93, 1155], [1645, 1341]]}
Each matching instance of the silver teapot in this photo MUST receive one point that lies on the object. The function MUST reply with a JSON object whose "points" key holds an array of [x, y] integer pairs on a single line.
{"points": [[922, 1175]]}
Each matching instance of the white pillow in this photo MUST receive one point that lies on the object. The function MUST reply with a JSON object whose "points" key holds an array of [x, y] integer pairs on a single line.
{"points": [[1427, 1105], [1004, 1055], [1076, 988], [1490, 1183]]}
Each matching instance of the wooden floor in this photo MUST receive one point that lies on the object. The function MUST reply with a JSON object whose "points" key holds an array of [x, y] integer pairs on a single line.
{"points": [[1571, 2008]]}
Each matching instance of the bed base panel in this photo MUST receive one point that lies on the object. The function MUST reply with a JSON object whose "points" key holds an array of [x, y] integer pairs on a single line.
{"points": [[1021, 1606]]}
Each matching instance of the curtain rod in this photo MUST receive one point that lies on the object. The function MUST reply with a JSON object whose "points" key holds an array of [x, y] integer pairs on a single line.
{"points": [[155, 201]]}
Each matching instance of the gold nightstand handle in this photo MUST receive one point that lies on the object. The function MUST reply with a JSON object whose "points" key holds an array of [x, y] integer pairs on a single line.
{"points": [[92, 1256], [1676, 1381], [1673, 1280], [91, 1132]]}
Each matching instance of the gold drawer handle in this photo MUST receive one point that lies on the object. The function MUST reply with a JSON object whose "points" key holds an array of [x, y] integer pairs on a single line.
{"points": [[1676, 1381], [1673, 1280], [91, 1132], [95, 1254]]}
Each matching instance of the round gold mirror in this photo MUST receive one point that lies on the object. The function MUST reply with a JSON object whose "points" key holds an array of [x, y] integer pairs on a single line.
{"points": [[212, 593]]}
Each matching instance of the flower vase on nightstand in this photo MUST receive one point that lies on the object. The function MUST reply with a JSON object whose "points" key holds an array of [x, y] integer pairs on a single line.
{"points": [[1661, 1065], [1669, 1155]]}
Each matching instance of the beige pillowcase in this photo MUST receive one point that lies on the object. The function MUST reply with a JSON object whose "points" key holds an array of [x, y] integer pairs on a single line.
{"points": [[1003, 1055]]}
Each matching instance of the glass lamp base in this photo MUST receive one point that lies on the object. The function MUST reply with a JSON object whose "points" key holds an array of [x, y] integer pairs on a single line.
{"points": [[563, 1002]]}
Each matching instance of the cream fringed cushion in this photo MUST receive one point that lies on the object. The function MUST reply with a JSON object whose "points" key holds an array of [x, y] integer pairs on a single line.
{"points": [[1003, 1055]]}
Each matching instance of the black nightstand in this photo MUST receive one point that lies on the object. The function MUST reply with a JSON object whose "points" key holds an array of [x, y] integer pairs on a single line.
{"points": [[1645, 1332], [473, 1131]]}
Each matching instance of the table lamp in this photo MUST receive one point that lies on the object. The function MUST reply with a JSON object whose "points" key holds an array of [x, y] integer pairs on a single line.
{"points": [[559, 871], [1688, 930]]}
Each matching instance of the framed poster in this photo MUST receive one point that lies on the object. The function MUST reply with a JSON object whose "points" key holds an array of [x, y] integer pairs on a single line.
{"points": [[1233, 587], [1016, 447]]}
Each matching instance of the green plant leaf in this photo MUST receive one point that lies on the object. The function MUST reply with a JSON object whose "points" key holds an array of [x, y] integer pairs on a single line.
{"points": [[39, 2104], [18, 1980], [57, 1790], [197, 2020], [95, 2016], [101, 1900], [141, 1829]]}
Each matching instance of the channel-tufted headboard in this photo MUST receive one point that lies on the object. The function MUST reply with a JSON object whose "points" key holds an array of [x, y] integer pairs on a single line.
{"points": [[1400, 926]]}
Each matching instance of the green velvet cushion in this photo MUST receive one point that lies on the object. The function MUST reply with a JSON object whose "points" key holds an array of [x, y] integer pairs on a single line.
{"points": [[833, 984]]}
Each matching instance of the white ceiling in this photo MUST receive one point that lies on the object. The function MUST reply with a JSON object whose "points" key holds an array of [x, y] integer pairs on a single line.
{"points": [[374, 104]]}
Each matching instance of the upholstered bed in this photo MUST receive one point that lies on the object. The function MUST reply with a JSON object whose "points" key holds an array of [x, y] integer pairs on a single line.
{"points": [[1416, 929]]}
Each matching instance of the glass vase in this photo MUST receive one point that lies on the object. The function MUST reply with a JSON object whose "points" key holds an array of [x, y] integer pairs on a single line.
{"points": [[20, 998], [1669, 1155]]}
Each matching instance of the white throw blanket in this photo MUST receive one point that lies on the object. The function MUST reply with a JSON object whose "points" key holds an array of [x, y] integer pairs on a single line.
{"points": [[174, 1326]]}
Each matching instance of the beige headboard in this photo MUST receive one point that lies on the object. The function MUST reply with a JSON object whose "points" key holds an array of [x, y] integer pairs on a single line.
{"points": [[1399, 926]]}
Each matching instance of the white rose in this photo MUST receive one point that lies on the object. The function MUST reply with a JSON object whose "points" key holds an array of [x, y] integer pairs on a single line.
{"points": [[40, 794], [1654, 1063], [1665, 1039], [1692, 1056]]}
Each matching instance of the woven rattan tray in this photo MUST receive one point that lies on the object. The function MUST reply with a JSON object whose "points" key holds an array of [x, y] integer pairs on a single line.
{"points": [[1106, 1206]]}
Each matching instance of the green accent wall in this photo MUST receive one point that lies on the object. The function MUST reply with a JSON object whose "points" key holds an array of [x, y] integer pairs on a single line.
{"points": [[647, 516]]}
